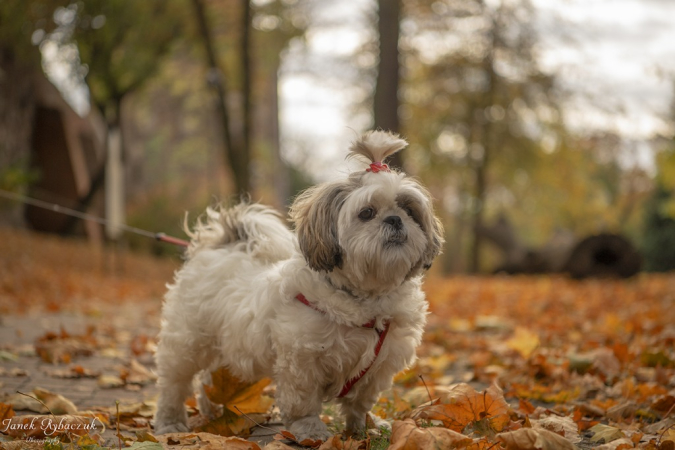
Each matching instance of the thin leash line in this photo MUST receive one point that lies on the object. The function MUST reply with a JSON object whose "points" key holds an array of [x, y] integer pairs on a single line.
{"points": [[84, 216]]}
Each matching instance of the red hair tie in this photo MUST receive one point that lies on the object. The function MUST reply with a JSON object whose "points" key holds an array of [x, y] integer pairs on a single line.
{"points": [[377, 166]]}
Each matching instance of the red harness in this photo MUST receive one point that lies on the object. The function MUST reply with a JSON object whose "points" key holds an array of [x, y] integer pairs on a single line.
{"points": [[382, 334]]}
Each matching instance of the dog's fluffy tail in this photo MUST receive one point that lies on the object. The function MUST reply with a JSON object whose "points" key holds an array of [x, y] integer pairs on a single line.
{"points": [[246, 227]]}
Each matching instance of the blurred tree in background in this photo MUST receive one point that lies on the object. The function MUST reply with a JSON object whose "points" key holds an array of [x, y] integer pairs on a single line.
{"points": [[119, 46], [22, 26], [488, 133], [243, 43], [178, 131], [192, 86], [479, 102]]}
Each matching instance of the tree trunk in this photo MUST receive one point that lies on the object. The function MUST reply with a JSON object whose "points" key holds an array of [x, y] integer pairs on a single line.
{"points": [[281, 177], [235, 151], [244, 162], [477, 213], [483, 135], [385, 102]]}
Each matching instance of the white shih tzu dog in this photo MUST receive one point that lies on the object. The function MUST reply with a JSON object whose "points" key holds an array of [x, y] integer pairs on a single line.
{"points": [[334, 310]]}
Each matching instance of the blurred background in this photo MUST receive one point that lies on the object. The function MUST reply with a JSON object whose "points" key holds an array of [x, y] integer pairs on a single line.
{"points": [[544, 129]]}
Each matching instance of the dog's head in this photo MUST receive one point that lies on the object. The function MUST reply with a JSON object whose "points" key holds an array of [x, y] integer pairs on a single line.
{"points": [[374, 229]]}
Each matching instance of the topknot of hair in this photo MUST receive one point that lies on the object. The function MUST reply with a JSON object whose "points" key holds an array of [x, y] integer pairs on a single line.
{"points": [[376, 146]]}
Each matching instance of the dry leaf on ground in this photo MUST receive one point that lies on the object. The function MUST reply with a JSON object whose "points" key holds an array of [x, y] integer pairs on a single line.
{"points": [[204, 441], [524, 342], [406, 435], [228, 424], [534, 439], [465, 406], [41, 401], [22, 402], [62, 347], [620, 444], [107, 381], [6, 412], [287, 435], [276, 445], [229, 391], [603, 434], [75, 371], [56, 403], [137, 373], [564, 426]]}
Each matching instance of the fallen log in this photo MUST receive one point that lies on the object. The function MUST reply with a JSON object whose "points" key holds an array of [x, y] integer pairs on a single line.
{"points": [[603, 255]]}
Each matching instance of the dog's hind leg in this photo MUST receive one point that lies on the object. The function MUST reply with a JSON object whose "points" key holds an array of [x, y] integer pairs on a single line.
{"points": [[206, 407], [175, 385]]}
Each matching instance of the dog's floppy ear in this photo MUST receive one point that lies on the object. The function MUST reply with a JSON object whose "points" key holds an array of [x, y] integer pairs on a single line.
{"points": [[435, 241], [315, 215], [432, 227]]}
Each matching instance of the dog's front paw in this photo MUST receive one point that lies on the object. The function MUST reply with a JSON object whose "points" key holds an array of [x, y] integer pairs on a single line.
{"points": [[166, 428], [310, 427], [378, 422]]}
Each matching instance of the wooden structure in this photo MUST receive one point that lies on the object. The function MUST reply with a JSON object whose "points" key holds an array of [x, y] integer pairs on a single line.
{"points": [[68, 157]]}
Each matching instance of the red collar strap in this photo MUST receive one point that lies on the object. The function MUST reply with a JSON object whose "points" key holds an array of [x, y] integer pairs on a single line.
{"points": [[382, 334]]}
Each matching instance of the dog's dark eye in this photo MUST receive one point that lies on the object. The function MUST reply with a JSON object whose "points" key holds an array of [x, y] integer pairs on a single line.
{"points": [[414, 215], [367, 214]]}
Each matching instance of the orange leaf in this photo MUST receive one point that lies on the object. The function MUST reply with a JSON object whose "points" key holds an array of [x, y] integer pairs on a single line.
{"points": [[664, 404], [406, 435], [466, 405], [206, 441], [230, 391], [534, 439], [284, 434], [276, 445], [524, 342], [229, 424], [563, 426], [6, 412], [525, 406], [481, 444]]}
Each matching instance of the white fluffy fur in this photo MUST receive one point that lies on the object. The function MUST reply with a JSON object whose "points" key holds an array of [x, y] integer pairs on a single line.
{"points": [[233, 302]]}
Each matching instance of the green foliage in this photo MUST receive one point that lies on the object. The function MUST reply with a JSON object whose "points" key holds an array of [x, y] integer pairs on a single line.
{"points": [[17, 177], [23, 24], [665, 178], [485, 94], [163, 210], [658, 242], [659, 234], [122, 42]]}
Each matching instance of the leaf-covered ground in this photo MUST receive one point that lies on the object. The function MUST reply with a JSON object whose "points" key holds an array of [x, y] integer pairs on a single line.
{"points": [[507, 362]]}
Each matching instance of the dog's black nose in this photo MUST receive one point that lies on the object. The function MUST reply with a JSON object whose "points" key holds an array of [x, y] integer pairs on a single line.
{"points": [[394, 221]]}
